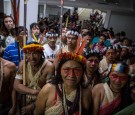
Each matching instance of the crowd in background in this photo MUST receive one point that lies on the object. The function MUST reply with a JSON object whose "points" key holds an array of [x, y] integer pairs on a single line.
{"points": [[106, 53]]}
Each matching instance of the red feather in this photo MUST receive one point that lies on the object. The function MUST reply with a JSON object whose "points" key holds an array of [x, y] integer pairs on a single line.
{"points": [[80, 51], [78, 44]]}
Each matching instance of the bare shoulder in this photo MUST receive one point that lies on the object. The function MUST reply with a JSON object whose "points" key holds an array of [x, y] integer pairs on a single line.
{"points": [[98, 88], [49, 69], [87, 90], [49, 64], [87, 93], [47, 88], [9, 64]]}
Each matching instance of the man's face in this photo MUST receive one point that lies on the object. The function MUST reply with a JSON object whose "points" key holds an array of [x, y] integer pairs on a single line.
{"points": [[126, 43], [124, 52], [52, 41], [89, 39], [71, 72], [101, 39], [110, 55], [71, 40], [34, 57], [8, 22], [118, 80], [35, 30], [21, 37]]}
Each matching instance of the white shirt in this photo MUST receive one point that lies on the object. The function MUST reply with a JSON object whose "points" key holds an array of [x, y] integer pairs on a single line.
{"points": [[48, 52], [9, 40]]}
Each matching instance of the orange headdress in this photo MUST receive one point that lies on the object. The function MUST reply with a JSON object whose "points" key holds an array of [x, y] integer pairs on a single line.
{"points": [[72, 56], [32, 47]]}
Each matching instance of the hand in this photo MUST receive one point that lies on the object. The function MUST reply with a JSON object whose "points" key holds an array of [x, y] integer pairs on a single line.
{"points": [[35, 92], [12, 111], [27, 109]]}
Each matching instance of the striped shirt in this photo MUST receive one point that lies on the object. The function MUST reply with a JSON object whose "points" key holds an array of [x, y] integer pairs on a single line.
{"points": [[11, 53]]}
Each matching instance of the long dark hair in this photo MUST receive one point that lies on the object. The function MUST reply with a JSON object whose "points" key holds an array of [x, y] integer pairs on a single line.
{"points": [[5, 31], [125, 98], [74, 106]]}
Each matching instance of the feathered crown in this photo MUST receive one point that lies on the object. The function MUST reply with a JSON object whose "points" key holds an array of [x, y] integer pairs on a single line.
{"points": [[119, 67], [72, 56], [32, 47]]}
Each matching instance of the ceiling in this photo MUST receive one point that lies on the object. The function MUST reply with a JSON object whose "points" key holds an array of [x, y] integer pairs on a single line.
{"points": [[120, 6]]}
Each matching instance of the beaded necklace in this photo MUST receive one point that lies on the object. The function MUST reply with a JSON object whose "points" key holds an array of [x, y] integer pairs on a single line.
{"points": [[65, 107]]}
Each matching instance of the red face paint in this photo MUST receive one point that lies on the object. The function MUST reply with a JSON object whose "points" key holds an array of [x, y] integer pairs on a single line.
{"points": [[93, 60], [117, 77], [72, 71]]}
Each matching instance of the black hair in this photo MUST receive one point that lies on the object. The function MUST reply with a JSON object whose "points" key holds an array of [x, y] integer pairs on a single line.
{"points": [[103, 36], [87, 33], [125, 92], [5, 30], [123, 33], [19, 29], [33, 25], [43, 27], [125, 98]]}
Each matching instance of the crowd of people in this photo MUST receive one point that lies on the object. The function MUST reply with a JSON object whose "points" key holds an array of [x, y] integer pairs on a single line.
{"points": [[89, 71]]}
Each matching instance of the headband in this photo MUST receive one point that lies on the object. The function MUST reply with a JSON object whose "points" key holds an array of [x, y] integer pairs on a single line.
{"points": [[51, 34], [72, 32], [91, 52], [119, 67]]}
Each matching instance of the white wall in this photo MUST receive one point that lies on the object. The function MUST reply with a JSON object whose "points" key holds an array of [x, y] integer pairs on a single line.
{"points": [[54, 10], [123, 23], [32, 12], [7, 7]]}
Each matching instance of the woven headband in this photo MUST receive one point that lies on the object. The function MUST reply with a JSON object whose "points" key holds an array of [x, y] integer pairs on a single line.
{"points": [[71, 32], [51, 34]]}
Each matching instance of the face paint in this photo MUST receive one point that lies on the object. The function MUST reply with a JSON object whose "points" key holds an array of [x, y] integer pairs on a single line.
{"points": [[72, 71], [120, 78], [93, 60]]}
